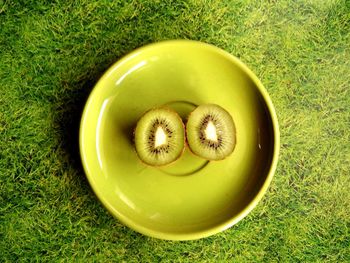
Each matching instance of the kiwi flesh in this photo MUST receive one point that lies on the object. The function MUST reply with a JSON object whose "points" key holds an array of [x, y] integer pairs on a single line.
{"points": [[159, 137], [211, 132]]}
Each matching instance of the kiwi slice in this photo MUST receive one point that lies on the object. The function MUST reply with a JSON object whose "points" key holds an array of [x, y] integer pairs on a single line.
{"points": [[159, 137], [211, 133]]}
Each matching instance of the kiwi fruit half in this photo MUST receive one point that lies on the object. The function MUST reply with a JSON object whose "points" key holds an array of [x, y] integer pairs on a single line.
{"points": [[159, 137], [210, 132]]}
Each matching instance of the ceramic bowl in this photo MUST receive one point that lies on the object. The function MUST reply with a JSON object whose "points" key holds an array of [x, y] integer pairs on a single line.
{"points": [[191, 198]]}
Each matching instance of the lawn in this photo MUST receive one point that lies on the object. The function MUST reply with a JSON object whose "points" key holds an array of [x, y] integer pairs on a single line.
{"points": [[53, 52]]}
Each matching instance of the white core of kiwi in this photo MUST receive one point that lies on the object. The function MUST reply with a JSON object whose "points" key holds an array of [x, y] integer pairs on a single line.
{"points": [[160, 137], [210, 132]]}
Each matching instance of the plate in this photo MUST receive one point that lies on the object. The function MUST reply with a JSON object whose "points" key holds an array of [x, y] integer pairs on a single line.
{"points": [[191, 198]]}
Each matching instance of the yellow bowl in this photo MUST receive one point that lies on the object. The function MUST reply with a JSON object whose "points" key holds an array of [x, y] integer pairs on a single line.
{"points": [[191, 198]]}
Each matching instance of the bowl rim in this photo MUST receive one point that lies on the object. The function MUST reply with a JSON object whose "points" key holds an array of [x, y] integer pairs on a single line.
{"points": [[248, 208]]}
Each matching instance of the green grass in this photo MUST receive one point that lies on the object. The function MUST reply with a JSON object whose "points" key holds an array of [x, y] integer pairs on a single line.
{"points": [[52, 53]]}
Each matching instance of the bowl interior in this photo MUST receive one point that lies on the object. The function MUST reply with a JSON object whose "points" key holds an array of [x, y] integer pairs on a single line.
{"points": [[192, 197]]}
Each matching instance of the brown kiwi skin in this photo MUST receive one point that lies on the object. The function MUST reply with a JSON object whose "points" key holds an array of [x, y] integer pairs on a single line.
{"points": [[188, 145], [183, 149]]}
